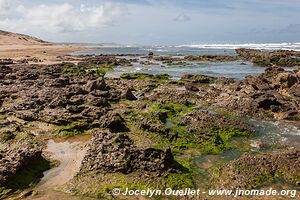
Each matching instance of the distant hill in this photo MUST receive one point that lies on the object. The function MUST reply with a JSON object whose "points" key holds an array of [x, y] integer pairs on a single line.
{"points": [[8, 38]]}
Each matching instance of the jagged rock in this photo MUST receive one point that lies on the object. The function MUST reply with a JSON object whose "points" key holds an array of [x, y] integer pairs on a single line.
{"points": [[128, 95], [5, 69], [98, 84], [203, 121], [12, 161], [285, 80], [58, 101], [191, 87], [155, 126], [266, 102], [295, 91], [104, 59], [111, 152], [7, 61], [60, 82], [258, 83], [271, 94], [114, 122], [198, 78], [98, 101]]}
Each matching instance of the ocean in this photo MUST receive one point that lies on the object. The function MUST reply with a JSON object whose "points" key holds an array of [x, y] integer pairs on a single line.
{"points": [[236, 70]]}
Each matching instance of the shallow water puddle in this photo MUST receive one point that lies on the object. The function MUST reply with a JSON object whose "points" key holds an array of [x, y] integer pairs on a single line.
{"points": [[277, 133], [69, 155], [207, 161], [268, 136]]}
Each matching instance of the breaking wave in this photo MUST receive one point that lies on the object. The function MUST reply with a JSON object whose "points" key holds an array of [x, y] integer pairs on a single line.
{"points": [[263, 46]]}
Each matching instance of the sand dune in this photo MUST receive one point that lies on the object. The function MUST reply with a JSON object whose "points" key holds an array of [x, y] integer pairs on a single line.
{"points": [[8, 38], [19, 46]]}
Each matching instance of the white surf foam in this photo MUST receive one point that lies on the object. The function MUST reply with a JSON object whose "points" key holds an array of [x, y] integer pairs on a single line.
{"points": [[264, 46]]}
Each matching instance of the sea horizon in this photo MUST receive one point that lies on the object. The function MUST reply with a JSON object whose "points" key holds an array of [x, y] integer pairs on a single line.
{"points": [[295, 46]]}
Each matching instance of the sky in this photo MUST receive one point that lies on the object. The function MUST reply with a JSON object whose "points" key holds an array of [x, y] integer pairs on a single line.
{"points": [[154, 22]]}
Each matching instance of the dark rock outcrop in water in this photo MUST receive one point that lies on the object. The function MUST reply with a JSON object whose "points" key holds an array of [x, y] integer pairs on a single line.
{"points": [[211, 58], [104, 59], [281, 58], [273, 94], [110, 152]]}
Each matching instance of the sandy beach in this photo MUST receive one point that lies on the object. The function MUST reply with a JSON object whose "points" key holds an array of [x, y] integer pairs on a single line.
{"points": [[19, 47], [46, 53]]}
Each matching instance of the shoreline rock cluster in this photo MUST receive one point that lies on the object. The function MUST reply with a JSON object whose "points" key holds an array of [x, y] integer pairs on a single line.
{"points": [[262, 58], [115, 152], [273, 94], [142, 124]]}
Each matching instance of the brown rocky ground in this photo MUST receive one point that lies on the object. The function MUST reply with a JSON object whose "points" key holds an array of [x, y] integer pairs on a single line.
{"points": [[146, 129]]}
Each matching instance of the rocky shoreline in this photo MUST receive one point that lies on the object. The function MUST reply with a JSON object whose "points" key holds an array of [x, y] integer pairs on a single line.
{"points": [[146, 129]]}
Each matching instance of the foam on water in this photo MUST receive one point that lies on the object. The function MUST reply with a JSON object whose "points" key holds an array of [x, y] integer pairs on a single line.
{"points": [[277, 133], [263, 46], [185, 49]]}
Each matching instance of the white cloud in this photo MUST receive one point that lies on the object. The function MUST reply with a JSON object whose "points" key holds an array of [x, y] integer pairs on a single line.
{"points": [[63, 17], [4, 7], [182, 18]]}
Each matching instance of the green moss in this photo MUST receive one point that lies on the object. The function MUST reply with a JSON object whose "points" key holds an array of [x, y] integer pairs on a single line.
{"points": [[220, 140], [172, 109], [73, 128], [179, 181], [262, 179], [75, 70], [216, 141], [262, 62], [6, 136], [212, 140], [101, 71], [143, 76], [81, 69], [288, 62], [121, 181], [4, 192]]}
